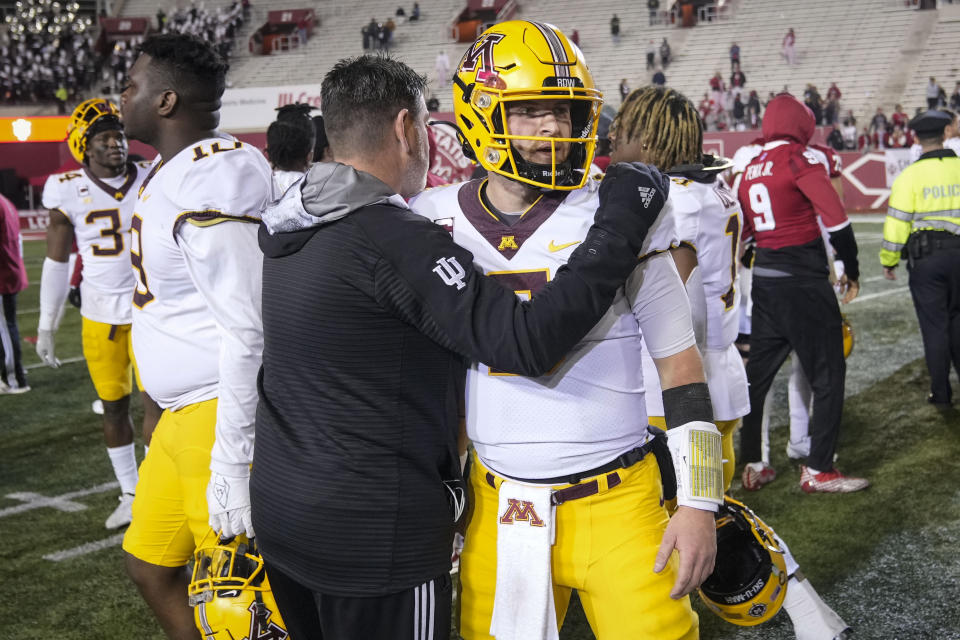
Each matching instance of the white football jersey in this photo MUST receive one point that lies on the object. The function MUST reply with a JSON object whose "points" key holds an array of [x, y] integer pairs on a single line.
{"points": [[590, 409], [100, 212], [709, 220], [197, 331]]}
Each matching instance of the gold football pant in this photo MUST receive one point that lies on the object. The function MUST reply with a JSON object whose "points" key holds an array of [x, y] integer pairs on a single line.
{"points": [[170, 515], [726, 428], [109, 354], [606, 545]]}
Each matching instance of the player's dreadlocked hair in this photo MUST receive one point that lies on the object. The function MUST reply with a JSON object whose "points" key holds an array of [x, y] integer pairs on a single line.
{"points": [[290, 137], [190, 66], [667, 124]]}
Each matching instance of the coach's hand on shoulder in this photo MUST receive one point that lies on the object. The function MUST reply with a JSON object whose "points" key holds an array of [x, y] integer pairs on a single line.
{"points": [[228, 500], [693, 533], [45, 347], [631, 197]]}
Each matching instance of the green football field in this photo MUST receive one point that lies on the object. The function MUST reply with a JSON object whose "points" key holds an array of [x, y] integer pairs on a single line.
{"points": [[885, 559]]}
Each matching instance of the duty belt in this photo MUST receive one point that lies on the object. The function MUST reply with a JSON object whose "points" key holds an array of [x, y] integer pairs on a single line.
{"points": [[656, 445]]}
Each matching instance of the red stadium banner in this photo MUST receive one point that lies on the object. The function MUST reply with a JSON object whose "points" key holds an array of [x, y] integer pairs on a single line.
{"points": [[118, 27]]}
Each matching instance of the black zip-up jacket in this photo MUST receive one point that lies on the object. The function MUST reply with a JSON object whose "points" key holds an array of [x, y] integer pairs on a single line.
{"points": [[370, 313]]}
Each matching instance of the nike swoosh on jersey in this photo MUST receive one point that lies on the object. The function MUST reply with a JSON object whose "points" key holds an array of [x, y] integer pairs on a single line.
{"points": [[559, 247]]}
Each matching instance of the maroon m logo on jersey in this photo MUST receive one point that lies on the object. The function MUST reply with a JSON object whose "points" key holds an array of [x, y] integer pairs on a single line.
{"points": [[481, 53], [521, 510]]}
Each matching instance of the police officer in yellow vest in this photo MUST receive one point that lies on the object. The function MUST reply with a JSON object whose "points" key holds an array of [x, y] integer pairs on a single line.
{"points": [[923, 225]]}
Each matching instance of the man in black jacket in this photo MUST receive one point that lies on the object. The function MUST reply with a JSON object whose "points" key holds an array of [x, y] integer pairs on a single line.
{"points": [[370, 316]]}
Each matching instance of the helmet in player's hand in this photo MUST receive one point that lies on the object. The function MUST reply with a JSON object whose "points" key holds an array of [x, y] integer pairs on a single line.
{"points": [[848, 338], [525, 61], [749, 580], [230, 593], [82, 118]]}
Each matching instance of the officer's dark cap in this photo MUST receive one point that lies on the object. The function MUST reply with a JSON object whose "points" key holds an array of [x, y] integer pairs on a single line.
{"points": [[930, 123]]}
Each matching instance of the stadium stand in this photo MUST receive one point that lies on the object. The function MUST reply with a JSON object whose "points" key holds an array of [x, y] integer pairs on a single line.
{"points": [[937, 58]]}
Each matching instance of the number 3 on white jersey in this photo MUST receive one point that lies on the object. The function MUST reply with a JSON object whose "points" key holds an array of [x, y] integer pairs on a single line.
{"points": [[762, 208]]}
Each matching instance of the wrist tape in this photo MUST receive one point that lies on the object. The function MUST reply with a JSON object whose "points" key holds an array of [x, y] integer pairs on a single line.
{"points": [[698, 462]]}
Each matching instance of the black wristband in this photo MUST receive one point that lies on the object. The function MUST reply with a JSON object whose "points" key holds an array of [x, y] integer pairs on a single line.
{"points": [[845, 244], [687, 403]]}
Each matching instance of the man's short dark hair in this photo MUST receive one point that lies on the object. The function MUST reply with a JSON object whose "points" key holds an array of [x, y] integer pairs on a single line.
{"points": [[191, 66], [361, 96]]}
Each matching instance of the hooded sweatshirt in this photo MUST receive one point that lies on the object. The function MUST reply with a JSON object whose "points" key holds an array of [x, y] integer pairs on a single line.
{"points": [[783, 190], [370, 313]]}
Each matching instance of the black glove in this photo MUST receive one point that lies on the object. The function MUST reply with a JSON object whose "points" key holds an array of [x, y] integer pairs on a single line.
{"points": [[747, 258], [74, 296], [632, 195]]}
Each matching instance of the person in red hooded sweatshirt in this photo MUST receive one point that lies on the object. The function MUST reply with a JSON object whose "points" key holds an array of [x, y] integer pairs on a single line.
{"points": [[13, 280], [782, 192]]}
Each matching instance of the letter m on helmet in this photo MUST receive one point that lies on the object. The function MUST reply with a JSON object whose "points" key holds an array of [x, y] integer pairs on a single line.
{"points": [[481, 53]]}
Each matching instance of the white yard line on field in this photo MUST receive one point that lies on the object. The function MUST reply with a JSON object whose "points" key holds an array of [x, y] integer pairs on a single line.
{"points": [[63, 502], [880, 294], [84, 549], [37, 365]]}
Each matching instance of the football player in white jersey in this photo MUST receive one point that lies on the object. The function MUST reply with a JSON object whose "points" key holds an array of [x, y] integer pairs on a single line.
{"points": [[94, 206], [197, 331], [650, 127], [563, 493]]}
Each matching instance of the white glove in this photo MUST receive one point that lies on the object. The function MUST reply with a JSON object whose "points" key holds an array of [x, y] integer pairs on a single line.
{"points": [[45, 347], [228, 500]]}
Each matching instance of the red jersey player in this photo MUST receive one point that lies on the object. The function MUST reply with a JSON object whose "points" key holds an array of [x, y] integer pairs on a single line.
{"points": [[782, 191]]}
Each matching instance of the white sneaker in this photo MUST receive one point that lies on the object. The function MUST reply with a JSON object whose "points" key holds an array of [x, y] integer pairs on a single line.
{"points": [[123, 514]]}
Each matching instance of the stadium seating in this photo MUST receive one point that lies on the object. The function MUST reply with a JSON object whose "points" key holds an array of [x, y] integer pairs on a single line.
{"points": [[938, 58]]}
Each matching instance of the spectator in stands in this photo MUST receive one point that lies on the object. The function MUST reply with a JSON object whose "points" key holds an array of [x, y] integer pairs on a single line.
{"points": [[955, 98], [734, 57], [615, 29], [651, 55], [835, 139], [390, 26], [849, 132], [441, 65], [866, 141], [13, 280], [737, 79], [246, 8], [161, 18], [653, 6], [832, 109], [753, 110], [739, 113], [665, 53], [383, 37], [373, 33], [659, 78], [878, 124], [401, 12], [415, 12], [811, 97], [933, 93], [575, 37], [899, 117], [624, 90], [898, 138], [788, 47]]}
